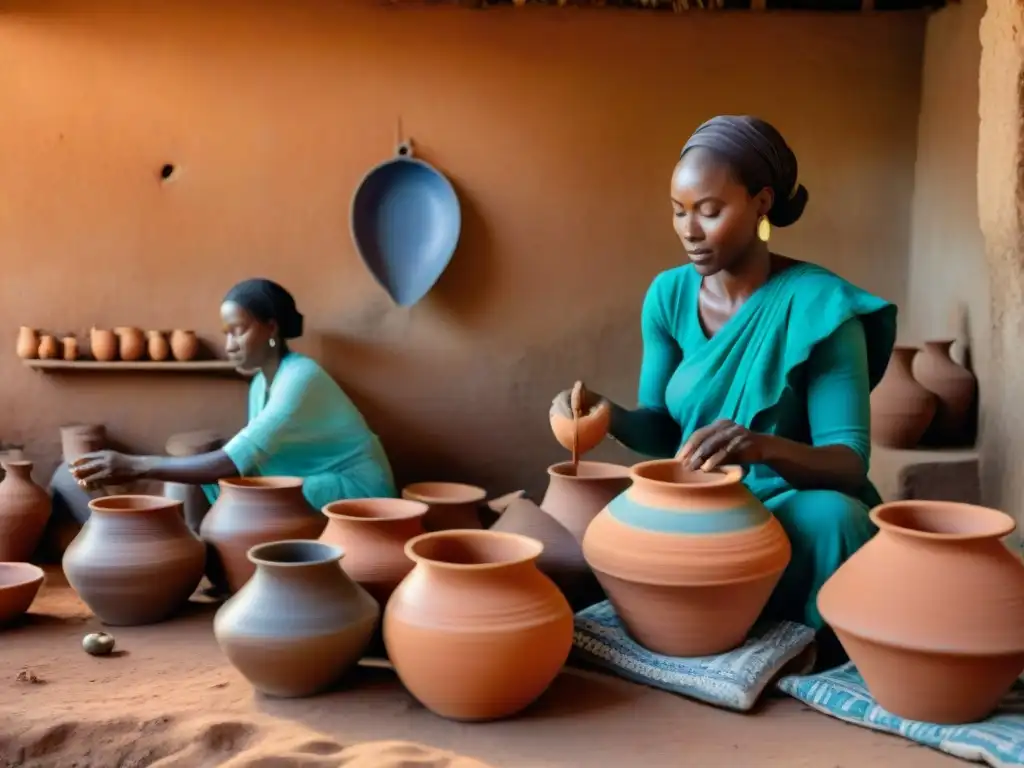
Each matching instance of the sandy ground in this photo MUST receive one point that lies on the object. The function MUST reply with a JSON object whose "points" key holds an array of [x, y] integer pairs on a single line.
{"points": [[167, 699]]}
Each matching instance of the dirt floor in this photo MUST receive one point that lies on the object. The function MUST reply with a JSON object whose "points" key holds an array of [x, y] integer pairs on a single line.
{"points": [[167, 699]]}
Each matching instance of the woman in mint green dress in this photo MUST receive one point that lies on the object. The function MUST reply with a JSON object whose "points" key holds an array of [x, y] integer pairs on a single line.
{"points": [[753, 358], [301, 423]]}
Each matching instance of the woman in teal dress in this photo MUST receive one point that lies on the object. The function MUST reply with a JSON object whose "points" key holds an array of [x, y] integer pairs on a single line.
{"points": [[301, 423], [753, 358]]}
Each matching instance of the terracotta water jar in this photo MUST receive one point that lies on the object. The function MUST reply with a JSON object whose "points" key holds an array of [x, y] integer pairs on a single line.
{"points": [[251, 511], [688, 558], [901, 409], [955, 389], [19, 585], [476, 631], [372, 533], [49, 349], [930, 610], [575, 495], [587, 430], [131, 343], [184, 345], [451, 505], [299, 623], [27, 346], [134, 561], [157, 346], [24, 512], [103, 344]]}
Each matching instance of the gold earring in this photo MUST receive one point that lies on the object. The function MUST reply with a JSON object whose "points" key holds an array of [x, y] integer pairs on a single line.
{"points": [[764, 229]]}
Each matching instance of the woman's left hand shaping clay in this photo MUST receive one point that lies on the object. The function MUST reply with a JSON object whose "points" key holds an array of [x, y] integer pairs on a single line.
{"points": [[724, 442]]}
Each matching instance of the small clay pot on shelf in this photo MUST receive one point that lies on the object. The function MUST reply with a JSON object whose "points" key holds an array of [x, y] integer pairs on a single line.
{"points": [[48, 348], [158, 346], [131, 343], [69, 348], [184, 345], [27, 346], [104, 345]]}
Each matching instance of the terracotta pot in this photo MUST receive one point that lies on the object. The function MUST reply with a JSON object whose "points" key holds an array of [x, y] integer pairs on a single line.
{"points": [[576, 495], [452, 505], [592, 426], [69, 348], [27, 346], [562, 559], [251, 511], [930, 610], [134, 561], [678, 547], [131, 343], [475, 631], [901, 409], [24, 512], [19, 585], [49, 349], [299, 623], [955, 388], [372, 533], [157, 345], [103, 344], [76, 440], [184, 345]]}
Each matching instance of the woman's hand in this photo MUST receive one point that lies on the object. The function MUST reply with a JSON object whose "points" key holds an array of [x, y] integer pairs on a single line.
{"points": [[723, 442], [562, 404], [105, 468]]}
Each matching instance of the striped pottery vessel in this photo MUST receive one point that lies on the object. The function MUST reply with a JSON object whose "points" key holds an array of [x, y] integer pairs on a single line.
{"points": [[687, 558]]}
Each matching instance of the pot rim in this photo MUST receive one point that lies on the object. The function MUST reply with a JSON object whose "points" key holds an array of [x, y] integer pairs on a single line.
{"points": [[19, 463], [405, 509], [329, 553], [999, 524], [471, 494], [261, 483], [147, 503], [622, 472], [532, 548], [33, 575], [729, 474]]}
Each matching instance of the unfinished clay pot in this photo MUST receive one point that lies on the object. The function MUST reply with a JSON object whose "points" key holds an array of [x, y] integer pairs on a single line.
{"points": [[69, 348], [688, 558], [576, 494], [452, 505], [49, 349], [27, 346], [299, 623], [131, 343], [19, 585], [930, 610], [134, 561], [955, 388], [372, 533], [587, 430], [76, 440], [157, 345], [901, 409], [24, 512], [251, 511], [194, 501], [184, 345], [103, 344], [475, 631]]}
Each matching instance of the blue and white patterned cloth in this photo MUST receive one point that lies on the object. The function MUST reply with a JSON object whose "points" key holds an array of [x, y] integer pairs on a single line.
{"points": [[734, 680], [841, 693]]}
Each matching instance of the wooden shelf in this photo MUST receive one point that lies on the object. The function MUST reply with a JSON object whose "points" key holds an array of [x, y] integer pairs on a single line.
{"points": [[196, 366]]}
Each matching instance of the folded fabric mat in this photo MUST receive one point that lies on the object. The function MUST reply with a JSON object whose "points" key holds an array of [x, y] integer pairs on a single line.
{"points": [[734, 680], [841, 693]]}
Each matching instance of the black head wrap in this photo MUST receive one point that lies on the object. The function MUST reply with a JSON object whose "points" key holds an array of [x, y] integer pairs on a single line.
{"points": [[760, 157], [266, 300]]}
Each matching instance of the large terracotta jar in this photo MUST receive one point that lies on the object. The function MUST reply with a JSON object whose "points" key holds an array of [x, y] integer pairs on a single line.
{"points": [[299, 623], [452, 505], [688, 558], [901, 409], [576, 494], [954, 386], [251, 511], [372, 533], [475, 631], [134, 561], [930, 610], [24, 512]]}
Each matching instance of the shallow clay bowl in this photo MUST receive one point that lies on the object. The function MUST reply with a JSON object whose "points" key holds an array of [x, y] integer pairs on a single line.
{"points": [[593, 427], [19, 585]]}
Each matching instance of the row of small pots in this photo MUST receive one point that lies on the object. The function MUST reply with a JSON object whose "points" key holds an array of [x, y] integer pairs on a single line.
{"points": [[125, 343]]}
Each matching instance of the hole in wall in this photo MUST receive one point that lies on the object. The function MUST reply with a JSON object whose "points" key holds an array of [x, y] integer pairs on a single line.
{"points": [[167, 171]]}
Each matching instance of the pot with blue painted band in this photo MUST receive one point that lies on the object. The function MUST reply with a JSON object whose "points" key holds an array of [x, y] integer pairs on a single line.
{"points": [[687, 558]]}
